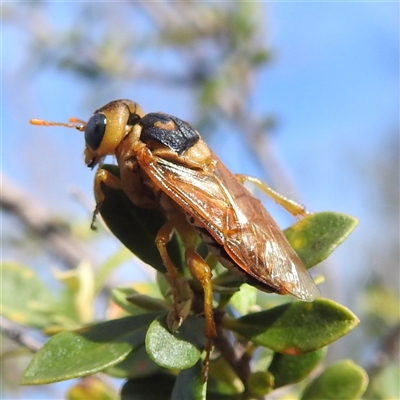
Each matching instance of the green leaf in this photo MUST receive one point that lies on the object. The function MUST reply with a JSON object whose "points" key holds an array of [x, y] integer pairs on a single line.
{"points": [[155, 387], [80, 282], [25, 299], [113, 262], [244, 299], [134, 226], [343, 380], [147, 303], [190, 384], [66, 315], [295, 328], [260, 383], [135, 303], [380, 304], [288, 369], [226, 283], [137, 365], [178, 350], [260, 57], [91, 388], [87, 350], [316, 236], [385, 384], [223, 379], [119, 295]]}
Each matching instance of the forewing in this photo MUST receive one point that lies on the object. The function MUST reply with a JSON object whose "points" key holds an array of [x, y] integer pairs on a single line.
{"points": [[262, 250], [198, 193], [238, 221]]}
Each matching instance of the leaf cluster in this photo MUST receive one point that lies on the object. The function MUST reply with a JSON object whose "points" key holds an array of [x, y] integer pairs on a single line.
{"points": [[261, 346]]}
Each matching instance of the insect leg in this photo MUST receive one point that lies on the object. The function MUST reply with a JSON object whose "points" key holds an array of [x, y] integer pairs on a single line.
{"points": [[181, 292], [107, 178], [291, 206], [202, 272]]}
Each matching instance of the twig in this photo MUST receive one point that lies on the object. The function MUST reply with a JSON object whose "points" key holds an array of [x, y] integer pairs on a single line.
{"points": [[18, 335], [60, 242], [235, 354], [388, 351]]}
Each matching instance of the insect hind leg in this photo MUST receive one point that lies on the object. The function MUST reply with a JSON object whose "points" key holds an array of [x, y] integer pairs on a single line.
{"points": [[289, 205], [199, 269], [202, 272]]}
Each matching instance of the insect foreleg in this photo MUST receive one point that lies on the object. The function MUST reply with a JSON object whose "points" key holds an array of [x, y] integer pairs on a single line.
{"points": [[107, 178], [163, 237], [289, 205], [181, 292], [199, 269]]}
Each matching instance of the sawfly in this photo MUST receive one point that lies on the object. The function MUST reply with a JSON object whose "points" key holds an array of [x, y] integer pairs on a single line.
{"points": [[165, 165]]}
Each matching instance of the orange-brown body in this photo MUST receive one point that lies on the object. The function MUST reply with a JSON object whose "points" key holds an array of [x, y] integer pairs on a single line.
{"points": [[164, 164]]}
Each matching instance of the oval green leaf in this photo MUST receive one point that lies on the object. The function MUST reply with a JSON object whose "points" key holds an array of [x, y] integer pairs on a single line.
{"points": [[288, 369], [137, 365], [91, 388], [296, 328], [118, 295], [25, 299], [147, 303], [120, 256], [316, 236], [154, 387], [260, 383], [87, 350], [134, 226], [223, 379], [178, 350], [343, 380], [190, 384], [135, 303]]}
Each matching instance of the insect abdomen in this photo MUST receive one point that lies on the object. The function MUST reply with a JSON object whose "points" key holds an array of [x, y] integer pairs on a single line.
{"points": [[223, 257]]}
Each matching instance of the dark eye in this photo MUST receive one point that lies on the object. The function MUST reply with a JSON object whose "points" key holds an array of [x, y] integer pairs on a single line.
{"points": [[94, 131]]}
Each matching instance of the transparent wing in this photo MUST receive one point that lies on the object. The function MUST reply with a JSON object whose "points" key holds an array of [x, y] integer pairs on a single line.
{"points": [[238, 221]]}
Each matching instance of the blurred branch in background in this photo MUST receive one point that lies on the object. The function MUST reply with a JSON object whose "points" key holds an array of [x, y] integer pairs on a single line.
{"points": [[54, 235], [388, 351], [215, 50], [19, 335]]}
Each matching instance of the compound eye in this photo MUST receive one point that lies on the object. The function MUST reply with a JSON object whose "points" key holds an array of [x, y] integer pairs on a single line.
{"points": [[94, 131]]}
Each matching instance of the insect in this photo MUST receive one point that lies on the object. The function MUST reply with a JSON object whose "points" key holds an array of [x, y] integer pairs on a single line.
{"points": [[164, 164]]}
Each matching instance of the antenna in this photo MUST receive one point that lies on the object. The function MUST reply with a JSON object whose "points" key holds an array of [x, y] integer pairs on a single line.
{"points": [[74, 123]]}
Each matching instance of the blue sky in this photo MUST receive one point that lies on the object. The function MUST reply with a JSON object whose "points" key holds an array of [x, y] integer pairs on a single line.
{"points": [[333, 86]]}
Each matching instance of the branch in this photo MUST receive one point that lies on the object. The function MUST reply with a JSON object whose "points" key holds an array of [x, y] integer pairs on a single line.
{"points": [[35, 217], [17, 334], [389, 350]]}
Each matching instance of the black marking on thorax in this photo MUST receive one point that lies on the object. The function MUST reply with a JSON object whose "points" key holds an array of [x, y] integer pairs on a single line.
{"points": [[176, 134]]}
